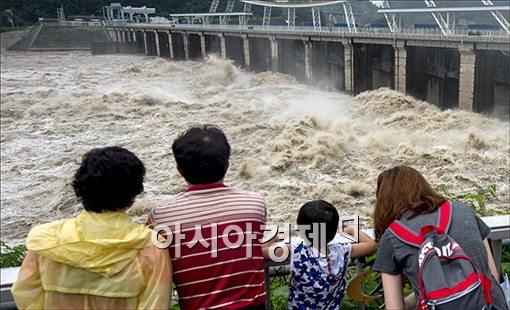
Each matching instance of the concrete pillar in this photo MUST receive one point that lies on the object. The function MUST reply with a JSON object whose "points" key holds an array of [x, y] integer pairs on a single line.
{"points": [[308, 61], [223, 46], [145, 41], [170, 44], [185, 40], [274, 54], [246, 47], [400, 66], [202, 45], [348, 66], [156, 38], [134, 35], [466, 77]]}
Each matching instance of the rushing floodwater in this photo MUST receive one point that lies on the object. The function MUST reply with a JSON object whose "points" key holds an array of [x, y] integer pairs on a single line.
{"points": [[291, 143]]}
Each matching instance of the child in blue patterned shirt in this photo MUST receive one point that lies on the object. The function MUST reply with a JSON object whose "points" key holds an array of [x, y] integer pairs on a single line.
{"points": [[319, 260]]}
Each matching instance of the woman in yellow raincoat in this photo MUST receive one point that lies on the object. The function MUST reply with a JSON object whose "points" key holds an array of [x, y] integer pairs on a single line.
{"points": [[101, 259]]}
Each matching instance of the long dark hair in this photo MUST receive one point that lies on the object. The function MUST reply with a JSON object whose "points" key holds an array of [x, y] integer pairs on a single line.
{"points": [[400, 189]]}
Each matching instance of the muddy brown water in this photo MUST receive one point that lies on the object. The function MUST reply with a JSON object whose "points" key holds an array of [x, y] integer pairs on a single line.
{"points": [[291, 143]]}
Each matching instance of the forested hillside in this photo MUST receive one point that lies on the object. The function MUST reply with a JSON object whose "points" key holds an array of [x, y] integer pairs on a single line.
{"points": [[27, 12]]}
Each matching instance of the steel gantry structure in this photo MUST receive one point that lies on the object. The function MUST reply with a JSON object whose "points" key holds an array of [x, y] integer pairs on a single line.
{"points": [[444, 17], [117, 12], [225, 18], [498, 16], [447, 25], [314, 6]]}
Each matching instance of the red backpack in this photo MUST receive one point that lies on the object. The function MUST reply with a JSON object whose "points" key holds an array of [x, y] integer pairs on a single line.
{"points": [[447, 278]]}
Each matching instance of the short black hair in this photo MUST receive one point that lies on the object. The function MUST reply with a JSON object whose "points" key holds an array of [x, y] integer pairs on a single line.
{"points": [[202, 154], [108, 179], [319, 211]]}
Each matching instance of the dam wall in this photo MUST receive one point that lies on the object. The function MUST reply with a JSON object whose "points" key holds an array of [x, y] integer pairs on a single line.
{"points": [[465, 72], [470, 73], [56, 37]]}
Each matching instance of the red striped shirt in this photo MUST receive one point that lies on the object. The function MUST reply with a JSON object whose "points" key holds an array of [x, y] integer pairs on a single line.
{"points": [[230, 228]]}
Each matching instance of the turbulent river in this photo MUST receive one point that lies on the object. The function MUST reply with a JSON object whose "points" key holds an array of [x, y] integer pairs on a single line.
{"points": [[291, 143]]}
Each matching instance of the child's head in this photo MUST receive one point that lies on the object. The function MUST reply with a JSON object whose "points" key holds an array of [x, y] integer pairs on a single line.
{"points": [[108, 179], [318, 211], [202, 154]]}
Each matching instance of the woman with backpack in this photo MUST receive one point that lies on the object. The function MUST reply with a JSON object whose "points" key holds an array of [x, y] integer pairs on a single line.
{"points": [[440, 246]]}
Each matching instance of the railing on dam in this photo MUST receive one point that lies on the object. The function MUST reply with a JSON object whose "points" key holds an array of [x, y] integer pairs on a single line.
{"points": [[483, 35]]}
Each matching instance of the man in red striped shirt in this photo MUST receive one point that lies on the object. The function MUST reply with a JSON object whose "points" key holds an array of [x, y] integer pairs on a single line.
{"points": [[216, 230]]}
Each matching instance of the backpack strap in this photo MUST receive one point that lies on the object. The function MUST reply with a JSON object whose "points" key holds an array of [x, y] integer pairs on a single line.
{"points": [[407, 236], [445, 217], [404, 234]]}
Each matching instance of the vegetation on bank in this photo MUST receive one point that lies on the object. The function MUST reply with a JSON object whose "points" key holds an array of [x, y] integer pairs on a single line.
{"points": [[11, 256]]}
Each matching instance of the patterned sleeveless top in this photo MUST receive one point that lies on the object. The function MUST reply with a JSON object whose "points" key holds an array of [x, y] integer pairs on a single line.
{"points": [[318, 282]]}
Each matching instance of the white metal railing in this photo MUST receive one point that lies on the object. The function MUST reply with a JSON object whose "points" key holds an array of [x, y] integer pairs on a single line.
{"points": [[71, 23], [483, 35], [500, 230]]}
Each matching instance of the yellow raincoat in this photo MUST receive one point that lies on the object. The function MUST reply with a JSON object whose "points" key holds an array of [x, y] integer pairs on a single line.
{"points": [[96, 260]]}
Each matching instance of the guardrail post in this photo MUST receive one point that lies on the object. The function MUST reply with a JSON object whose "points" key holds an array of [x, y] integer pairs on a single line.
{"points": [[497, 249], [359, 270], [267, 284]]}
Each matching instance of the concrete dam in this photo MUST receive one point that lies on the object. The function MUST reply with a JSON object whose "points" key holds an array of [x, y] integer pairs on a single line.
{"points": [[467, 72], [60, 36]]}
